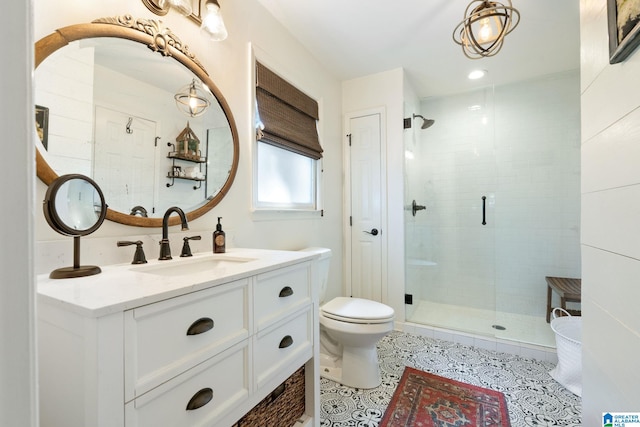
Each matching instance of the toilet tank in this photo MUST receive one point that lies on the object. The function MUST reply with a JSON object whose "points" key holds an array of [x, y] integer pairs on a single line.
{"points": [[323, 268]]}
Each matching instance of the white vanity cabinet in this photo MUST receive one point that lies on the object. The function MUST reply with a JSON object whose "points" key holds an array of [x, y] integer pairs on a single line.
{"points": [[197, 353]]}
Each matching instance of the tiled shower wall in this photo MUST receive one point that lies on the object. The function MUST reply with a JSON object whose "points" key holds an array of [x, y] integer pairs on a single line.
{"points": [[518, 145]]}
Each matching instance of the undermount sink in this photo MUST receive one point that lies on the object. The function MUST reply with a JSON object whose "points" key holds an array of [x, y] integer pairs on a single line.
{"points": [[182, 267]]}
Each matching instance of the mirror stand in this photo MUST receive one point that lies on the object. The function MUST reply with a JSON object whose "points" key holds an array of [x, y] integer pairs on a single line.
{"points": [[77, 270], [74, 206]]}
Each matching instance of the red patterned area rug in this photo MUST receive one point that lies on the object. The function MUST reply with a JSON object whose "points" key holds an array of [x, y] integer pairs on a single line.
{"points": [[424, 399]]}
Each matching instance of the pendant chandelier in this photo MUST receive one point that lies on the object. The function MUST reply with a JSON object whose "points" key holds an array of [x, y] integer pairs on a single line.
{"points": [[481, 33]]}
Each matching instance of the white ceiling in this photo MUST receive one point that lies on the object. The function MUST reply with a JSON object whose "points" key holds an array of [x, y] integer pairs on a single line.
{"points": [[354, 38]]}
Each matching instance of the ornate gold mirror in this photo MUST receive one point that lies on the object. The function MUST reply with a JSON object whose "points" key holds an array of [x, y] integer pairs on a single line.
{"points": [[106, 107]]}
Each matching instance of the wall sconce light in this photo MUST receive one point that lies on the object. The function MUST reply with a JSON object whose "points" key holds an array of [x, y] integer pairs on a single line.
{"points": [[212, 22], [192, 99], [481, 33], [161, 7], [208, 17]]}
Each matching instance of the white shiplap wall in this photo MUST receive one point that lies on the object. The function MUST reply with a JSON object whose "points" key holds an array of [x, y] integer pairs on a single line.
{"points": [[610, 222]]}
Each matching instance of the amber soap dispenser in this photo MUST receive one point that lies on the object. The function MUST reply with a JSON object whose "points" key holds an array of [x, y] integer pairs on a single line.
{"points": [[219, 239]]}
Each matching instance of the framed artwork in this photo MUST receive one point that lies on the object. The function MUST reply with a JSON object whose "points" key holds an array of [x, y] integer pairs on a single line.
{"points": [[42, 124], [624, 28]]}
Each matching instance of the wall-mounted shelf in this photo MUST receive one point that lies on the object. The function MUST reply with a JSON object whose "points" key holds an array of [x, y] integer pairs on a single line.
{"points": [[187, 157], [173, 177]]}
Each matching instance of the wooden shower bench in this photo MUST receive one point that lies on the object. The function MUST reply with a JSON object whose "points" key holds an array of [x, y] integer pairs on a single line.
{"points": [[568, 289]]}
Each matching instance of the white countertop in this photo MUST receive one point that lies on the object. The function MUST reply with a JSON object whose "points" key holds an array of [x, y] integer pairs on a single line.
{"points": [[125, 286]]}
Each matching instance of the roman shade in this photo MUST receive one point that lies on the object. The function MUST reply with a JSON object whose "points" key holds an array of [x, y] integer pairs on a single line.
{"points": [[288, 115]]}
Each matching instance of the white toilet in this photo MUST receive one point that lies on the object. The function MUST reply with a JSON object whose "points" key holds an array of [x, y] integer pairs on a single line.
{"points": [[350, 328]]}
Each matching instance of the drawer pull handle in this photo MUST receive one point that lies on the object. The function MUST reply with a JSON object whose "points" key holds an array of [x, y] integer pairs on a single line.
{"points": [[200, 399], [286, 292], [200, 326], [286, 342]]}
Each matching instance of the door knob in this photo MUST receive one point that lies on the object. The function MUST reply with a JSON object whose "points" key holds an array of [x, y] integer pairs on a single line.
{"points": [[373, 232]]}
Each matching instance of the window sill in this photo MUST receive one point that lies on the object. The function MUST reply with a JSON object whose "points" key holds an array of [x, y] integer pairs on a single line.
{"points": [[284, 214]]}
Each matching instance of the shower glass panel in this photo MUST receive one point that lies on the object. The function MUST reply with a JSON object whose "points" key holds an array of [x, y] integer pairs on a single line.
{"points": [[450, 245], [517, 145]]}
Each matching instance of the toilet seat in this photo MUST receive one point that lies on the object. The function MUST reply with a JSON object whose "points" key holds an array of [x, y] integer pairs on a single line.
{"points": [[357, 310]]}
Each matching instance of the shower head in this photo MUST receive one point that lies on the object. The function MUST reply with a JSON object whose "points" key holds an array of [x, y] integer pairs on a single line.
{"points": [[425, 122]]}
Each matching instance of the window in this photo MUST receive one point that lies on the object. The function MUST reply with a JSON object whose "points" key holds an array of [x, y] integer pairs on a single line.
{"points": [[288, 149], [286, 180]]}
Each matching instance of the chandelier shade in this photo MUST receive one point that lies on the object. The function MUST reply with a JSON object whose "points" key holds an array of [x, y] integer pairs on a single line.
{"points": [[182, 6], [161, 7], [481, 33], [212, 22]]}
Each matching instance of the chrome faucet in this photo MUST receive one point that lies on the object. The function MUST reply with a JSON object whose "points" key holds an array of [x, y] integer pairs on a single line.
{"points": [[165, 249]]}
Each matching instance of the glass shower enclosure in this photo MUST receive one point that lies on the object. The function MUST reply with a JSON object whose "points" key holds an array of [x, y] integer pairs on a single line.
{"points": [[498, 175]]}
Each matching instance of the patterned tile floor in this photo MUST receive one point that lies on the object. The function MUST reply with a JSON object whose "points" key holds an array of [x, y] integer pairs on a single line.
{"points": [[533, 397]]}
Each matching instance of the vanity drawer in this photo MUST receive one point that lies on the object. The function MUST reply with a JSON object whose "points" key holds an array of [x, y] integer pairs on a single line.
{"points": [[281, 292], [277, 348], [221, 382], [165, 339]]}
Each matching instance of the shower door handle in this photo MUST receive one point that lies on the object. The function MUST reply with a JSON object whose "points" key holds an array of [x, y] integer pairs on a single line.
{"points": [[484, 213], [373, 232]]}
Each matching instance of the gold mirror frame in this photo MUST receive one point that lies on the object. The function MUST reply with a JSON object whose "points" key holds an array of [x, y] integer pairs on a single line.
{"points": [[163, 41]]}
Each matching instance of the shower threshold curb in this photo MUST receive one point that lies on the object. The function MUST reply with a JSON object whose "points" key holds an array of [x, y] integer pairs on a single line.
{"points": [[533, 351]]}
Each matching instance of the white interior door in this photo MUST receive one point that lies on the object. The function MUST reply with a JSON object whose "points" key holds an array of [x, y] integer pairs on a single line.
{"points": [[124, 160], [366, 206]]}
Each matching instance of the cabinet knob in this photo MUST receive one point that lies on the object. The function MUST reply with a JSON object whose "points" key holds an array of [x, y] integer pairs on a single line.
{"points": [[286, 292], [200, 399], [200, 326], [286, 342]]}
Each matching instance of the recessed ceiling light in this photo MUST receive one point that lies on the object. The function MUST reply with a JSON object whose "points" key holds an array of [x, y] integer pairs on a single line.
{"points": [[477, 74]]}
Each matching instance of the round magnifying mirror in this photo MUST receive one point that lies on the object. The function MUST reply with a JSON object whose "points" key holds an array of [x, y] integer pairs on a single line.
{"points": [[74, 206]]}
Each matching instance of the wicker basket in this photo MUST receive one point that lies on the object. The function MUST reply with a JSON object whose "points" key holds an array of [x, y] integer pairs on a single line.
{"points": [[568, 371], [282, 407]]}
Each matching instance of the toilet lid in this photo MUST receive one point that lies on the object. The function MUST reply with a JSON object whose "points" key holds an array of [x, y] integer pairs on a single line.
{"points": [[357, 310]]}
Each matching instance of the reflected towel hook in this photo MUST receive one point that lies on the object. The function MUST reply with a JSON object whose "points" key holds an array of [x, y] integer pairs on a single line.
{"points": [[128, 128]]}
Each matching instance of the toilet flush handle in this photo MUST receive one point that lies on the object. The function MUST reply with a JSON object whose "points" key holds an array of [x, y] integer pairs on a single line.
{"points": [[373, 232]]}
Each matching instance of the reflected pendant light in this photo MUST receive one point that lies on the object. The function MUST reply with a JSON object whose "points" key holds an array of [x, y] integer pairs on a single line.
{"points": [[212, 22], [192, 100], [481, 33]]}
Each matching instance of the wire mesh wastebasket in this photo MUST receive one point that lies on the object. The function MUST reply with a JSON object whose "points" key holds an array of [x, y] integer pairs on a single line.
{"points": [[568, 371]]}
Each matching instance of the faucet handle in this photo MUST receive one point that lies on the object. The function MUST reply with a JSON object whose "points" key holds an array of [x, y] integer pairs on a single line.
{"points": [[138, 257], [186, 249]]}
